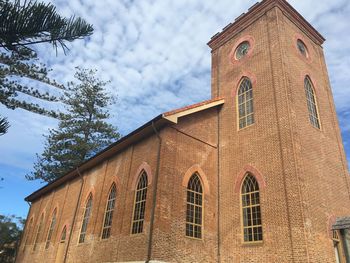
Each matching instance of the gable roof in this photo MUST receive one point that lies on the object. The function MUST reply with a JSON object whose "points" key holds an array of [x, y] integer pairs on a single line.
{"points": [[167, 118], [255, 12]]}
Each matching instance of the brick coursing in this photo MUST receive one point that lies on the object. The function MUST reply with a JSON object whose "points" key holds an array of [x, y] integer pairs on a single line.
{"points": [[302, 170]]}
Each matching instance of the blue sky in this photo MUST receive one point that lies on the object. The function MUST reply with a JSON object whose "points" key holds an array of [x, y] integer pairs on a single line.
{"points": [[155, 54]]}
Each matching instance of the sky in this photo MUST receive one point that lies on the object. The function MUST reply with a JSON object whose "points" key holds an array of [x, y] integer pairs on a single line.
{"points": [[155, 54]]}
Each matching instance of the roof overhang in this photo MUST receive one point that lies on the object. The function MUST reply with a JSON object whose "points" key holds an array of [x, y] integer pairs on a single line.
{"points": [[149, 128]]}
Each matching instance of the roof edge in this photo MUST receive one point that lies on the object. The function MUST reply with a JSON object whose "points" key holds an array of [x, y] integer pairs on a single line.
{"points": [[255, 12], [170, 117]]}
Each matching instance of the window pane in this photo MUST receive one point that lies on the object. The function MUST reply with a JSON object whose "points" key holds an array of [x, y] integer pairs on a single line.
{"points": [[194, 207], [245, 103], [140, 204], [251, 212]]}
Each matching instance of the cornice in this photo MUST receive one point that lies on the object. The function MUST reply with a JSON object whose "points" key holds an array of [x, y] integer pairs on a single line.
{"points": [[258, 10]]}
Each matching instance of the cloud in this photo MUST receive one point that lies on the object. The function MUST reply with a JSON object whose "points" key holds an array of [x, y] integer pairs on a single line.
{"points": [[155, 54]]}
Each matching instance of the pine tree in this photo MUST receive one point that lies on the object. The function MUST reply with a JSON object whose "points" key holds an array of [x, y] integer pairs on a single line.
{"points": [[22, 26], [82, 131]]}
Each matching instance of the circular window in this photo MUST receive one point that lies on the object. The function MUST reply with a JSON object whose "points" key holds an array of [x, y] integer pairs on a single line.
{"points": [[302, 48], [242, 50]]}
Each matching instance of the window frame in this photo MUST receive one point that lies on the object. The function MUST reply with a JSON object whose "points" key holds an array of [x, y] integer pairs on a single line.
{"points": [[313, 104], [141, 190], [85, 218], [28, 230], [244, 103], [201, 206], [51, 228], [114, 199], [64, 230], [243, 227], [38, 231]]}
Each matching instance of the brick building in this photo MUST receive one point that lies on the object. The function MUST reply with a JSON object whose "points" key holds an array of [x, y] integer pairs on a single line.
{"points": [[256, 174]]}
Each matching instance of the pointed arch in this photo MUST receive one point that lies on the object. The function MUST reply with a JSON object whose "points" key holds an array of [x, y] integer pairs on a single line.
{"points": [[196, 169], [311, 102], [251, 211], [194, 207], [28, 230], [245, 103], [108, 217], [140, 203], [143, 167], [51, 228], [86, 217], [251, 170], [38, 231], [63, 235]]}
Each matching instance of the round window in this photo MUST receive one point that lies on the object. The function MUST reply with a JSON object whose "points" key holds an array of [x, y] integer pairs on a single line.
{"points": [[242, 50], [302, 48]]}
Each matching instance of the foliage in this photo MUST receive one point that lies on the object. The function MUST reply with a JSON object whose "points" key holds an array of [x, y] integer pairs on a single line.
{"points": [[10, 233], [82, 131], [4, 125], [23, 25]]}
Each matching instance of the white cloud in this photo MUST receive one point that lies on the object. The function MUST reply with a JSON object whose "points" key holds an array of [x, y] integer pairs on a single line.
{"points": [[155, 54]]}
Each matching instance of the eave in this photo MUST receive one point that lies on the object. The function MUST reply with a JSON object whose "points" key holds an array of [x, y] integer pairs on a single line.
{"points": [[168, 118]]}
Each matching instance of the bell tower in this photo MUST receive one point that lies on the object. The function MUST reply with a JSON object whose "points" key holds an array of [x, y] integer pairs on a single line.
{"points": [[279, 126]]}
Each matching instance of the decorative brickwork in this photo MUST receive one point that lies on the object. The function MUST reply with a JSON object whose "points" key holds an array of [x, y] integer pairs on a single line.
{"points": [[301, 179]]}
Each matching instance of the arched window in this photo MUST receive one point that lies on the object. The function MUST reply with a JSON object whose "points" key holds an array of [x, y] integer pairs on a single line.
{"points": [[107, 222], [38, 231], [194, 207], [252, 227], [311, 102], [245, 103], [28, 232], [52, 227], [140, 204], [84, 225], [63, 235]]}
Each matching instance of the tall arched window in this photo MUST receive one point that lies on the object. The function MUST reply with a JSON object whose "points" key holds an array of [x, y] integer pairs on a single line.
{"points": [[252, 227], [84, 225], [52, 227], [245, 103], [107, 222], [311, 103], [194, 209], [28, 230], [63, 235], [140, 204], [38, 231]]}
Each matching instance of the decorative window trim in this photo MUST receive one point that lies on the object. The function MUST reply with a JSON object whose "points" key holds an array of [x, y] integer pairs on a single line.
{"points": [[308, 46], [28, 229], [67, 226], [253, 171], [108, 228], [138, 224], [313, 104], [61, 240], [143, 167], [245, 101], [85, 219], [232, 55], [39, 230], [250, 207], [196, 169], [196, 208], [51, 230]]}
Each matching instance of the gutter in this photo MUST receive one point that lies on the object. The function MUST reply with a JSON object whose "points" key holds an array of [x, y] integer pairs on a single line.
{"points": [[154, 203]]}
